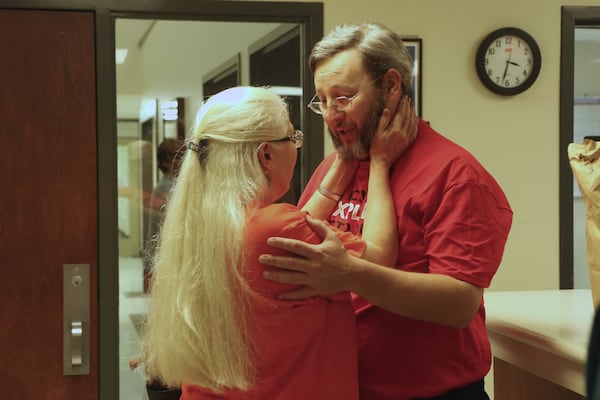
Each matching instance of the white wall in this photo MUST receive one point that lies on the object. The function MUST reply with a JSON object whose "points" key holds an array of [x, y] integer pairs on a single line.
{"points": [[516, 138]]}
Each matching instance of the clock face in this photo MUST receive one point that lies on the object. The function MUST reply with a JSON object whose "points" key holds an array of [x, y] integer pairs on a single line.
{"points": [[508, 61]]}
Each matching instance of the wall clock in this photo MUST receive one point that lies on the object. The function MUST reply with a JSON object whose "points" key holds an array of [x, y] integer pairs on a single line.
{"points": [[508, 61]]}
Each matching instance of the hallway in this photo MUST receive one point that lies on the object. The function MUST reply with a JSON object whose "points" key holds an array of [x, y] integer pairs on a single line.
{"points": [[132, 308]]}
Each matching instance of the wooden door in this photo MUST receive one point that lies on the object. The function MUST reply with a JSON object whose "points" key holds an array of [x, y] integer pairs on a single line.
{"points": [[48, 196]]}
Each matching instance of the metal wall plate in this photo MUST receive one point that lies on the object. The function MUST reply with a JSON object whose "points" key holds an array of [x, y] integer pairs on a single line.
{"points": [[76, 319]]}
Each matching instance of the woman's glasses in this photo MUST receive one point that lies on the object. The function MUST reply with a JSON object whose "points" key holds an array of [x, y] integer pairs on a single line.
{"points": [[297, 137]]}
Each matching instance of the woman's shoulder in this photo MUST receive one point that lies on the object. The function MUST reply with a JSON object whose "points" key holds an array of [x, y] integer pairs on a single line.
{"points": [[280, 219], [276, 219]]}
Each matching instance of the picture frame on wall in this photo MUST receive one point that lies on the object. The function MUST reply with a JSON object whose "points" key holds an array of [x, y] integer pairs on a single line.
{"points": [[415, 49]]}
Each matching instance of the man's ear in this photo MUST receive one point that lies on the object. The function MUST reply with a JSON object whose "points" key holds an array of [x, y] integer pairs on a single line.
{"points": [[392, 84]]}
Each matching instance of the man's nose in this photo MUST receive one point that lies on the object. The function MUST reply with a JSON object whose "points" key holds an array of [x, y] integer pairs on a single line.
{"points": [[333, 115]]}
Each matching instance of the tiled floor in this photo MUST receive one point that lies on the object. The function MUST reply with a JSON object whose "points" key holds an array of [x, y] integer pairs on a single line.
{"points": [[132, 307]]}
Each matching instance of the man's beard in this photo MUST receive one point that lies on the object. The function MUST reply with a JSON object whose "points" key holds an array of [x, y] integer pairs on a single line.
{"points": [[359, 150]]}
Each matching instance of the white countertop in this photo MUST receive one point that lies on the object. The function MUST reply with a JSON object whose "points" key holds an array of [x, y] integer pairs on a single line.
{"points": [[544, 332]]}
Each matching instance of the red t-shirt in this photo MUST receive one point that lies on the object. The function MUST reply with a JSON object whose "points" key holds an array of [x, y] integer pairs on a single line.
{"points": [[306, 348], [452, 219]]}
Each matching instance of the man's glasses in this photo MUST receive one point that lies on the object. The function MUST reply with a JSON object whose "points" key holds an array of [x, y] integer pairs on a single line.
{"points": [[340, 103], [297, 137]]}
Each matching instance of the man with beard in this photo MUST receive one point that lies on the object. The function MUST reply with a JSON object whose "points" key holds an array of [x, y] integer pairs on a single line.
{"points": [[421, 322]]}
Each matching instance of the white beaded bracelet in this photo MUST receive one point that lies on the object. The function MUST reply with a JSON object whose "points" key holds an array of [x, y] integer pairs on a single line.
{"points": [[326, 193]]}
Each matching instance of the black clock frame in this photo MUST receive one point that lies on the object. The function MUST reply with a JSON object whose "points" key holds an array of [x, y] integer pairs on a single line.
{"points": [[480, 61]]}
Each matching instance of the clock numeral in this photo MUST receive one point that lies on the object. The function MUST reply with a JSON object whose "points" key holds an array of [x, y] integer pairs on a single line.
{"points": [[507, 83], [508, 40], [526, 51], [489, 72], [491, 51], [517, 80], [498, 43]]}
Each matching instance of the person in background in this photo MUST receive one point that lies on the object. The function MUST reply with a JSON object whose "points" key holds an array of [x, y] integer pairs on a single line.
{"points": [[420, 325], [168, 157], [214, 325]]}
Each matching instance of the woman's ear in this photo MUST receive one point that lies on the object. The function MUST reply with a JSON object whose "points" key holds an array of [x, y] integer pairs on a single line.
{"points": [[265, 158]]}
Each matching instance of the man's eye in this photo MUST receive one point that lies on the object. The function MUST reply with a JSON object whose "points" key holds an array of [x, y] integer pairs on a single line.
{"points": [[342, 100]]}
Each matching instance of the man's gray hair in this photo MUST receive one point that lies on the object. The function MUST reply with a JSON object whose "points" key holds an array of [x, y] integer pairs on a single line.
{"points": [[380, 47]]}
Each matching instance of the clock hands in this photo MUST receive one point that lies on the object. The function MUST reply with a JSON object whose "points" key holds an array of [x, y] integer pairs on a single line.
{"points": [[507, 62]]}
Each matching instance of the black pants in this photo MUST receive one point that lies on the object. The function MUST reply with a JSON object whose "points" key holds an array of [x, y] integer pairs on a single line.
{"points": [[473, 391], [158, 392]]}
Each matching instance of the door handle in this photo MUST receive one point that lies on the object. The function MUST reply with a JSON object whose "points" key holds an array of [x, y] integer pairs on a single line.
{"points": [[76, 319], [76, 344]]}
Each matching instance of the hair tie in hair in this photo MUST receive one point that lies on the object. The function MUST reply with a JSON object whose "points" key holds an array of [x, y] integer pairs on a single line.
{"points": [[198, 147]]}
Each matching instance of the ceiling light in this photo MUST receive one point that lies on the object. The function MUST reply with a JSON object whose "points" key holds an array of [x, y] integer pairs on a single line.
{"points": [[287, 90], [120, 55]]}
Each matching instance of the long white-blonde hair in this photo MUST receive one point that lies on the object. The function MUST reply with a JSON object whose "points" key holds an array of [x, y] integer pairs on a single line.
{"points": [[196, 328]]}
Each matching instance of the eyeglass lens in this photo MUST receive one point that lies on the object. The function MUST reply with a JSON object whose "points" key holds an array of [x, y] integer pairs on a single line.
{"points": [[340, 103]]}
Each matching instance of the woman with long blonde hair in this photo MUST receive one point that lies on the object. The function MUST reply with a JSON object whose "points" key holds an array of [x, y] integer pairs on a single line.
{"points": [[215, 327]]}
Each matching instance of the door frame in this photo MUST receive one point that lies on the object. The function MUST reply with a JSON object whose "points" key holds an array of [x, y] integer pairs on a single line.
{"points": [[571, 18], [309, 15]]}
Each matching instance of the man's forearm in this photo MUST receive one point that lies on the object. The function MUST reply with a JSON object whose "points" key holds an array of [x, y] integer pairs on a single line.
{"points": [[434, 298]]}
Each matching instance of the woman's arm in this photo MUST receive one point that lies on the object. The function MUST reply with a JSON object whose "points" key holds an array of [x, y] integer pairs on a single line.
{"points": [[380, 229], [389, 142], [324, 199]]}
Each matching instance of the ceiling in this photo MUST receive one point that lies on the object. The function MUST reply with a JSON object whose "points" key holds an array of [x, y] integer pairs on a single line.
{"points": [[171, 58]]}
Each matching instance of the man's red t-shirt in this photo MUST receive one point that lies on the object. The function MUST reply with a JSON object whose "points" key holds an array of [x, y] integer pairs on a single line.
{"points": [[453, 219]]}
